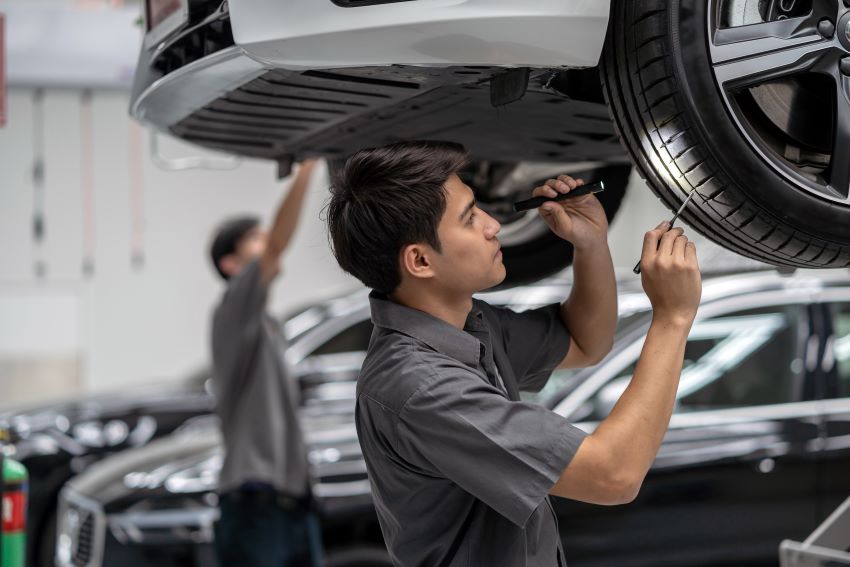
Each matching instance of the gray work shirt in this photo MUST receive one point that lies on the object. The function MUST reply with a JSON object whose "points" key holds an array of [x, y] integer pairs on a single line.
{"points": [[460, 468], [256, 402]]}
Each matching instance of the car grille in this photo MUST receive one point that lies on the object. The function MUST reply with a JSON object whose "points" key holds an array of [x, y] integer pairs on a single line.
{"points": [[83, 553], [81, 531]]}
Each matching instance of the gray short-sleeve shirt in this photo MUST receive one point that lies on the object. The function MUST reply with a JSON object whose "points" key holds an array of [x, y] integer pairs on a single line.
{"points": [[460, 467], [255, 399]]}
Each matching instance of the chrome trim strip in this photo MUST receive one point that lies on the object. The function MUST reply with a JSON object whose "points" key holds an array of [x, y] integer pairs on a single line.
{"points": [[130, 526], [342, 489], [750, 414]]}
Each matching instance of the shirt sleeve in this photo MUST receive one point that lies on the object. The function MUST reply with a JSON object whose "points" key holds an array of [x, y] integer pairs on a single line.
{"points": [[236, 327], [245, 298], [508, 454], [536, 341]]}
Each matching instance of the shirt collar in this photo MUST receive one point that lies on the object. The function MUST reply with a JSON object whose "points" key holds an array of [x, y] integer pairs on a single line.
{"points": [[432, 331]]}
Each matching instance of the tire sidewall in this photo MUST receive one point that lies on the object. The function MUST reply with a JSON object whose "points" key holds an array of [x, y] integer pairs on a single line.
{"points": [[46, 544]]}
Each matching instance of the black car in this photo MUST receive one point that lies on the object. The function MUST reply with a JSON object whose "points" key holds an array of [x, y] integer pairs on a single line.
{"points": [[756, 450]]}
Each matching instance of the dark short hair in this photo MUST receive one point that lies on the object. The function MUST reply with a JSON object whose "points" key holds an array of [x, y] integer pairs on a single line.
{"points": [[226, 238], [386, 198]]}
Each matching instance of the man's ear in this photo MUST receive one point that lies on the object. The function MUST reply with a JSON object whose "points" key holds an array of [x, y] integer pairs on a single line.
{"points": [[416, 261], [229, 264]]}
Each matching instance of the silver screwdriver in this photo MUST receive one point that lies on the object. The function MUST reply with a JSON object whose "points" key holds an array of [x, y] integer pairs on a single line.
{"points": [[636, 269]]}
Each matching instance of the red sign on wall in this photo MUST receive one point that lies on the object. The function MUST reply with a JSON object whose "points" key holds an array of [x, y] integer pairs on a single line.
{"points": [[2, 70]]}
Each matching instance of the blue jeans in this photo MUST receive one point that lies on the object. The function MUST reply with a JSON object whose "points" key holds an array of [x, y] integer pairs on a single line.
{"points": [[259, 529]]}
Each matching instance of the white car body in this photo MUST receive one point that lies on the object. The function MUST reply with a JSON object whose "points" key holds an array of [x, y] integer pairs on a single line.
{"points": [[306, 34]]}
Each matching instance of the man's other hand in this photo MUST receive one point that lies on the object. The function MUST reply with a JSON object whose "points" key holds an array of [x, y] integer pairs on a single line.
{"points": [[580, 220], [670, 274]]}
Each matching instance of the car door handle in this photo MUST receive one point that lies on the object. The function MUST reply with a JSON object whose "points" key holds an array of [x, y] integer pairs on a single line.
{"points": [[828, 360], [810, 358]]}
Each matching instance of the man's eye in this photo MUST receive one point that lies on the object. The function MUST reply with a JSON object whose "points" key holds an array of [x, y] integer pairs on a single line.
{"points": [[471, 216]]}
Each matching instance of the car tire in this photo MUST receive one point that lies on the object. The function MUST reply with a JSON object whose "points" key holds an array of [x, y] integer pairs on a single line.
{"points": [[527, 261], [45, 548], [684, 135]]}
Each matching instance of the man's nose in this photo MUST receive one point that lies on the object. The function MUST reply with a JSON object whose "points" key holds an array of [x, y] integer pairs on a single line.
{"points": [[493, 227]]}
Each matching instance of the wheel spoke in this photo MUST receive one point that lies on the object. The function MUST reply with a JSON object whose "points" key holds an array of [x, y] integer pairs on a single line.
{"points": [[839, 163], [776, 34], [755, 39], [748, 55]]}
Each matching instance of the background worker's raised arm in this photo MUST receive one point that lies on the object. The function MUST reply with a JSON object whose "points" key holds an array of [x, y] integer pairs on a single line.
{"points": [[590, 312], [285, 222]]}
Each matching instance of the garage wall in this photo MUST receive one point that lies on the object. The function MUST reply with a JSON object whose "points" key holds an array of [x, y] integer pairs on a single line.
{"points": [[123, 324], [66, 331]]}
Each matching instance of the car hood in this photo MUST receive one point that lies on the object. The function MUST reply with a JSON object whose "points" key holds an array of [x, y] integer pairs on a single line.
{"points": [[105, 421], [189, 463]]}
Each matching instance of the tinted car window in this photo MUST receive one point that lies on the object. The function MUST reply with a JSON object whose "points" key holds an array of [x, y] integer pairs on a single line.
{"points": [[353, 338], [841, 348], [747, 358], [356, 338], [563, 380]]}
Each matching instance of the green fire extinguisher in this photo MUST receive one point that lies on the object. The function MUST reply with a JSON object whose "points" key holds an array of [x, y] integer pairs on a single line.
{"points": [[13, 496]]}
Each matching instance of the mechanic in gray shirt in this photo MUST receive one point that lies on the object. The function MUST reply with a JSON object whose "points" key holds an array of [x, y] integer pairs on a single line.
{"points": [[266, 520], [460, 467]]}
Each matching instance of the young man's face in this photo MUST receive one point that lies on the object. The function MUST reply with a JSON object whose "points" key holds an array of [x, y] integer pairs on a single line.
{"points": [[471, 259]]}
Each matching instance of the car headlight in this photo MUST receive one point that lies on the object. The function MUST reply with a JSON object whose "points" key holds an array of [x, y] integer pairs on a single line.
{"points": [[179, 478], [175, 502]]}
